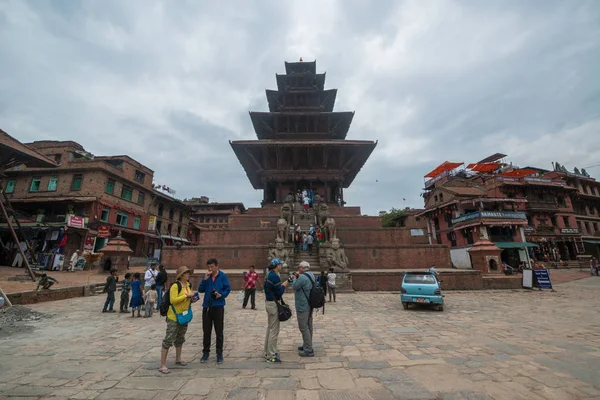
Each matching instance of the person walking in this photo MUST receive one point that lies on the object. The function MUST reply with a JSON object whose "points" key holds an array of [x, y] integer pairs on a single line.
{"points": [[216, 288], [181, 297], [309, 243], [110, 288], [74, 259], [274, 289], [303, 283], [150, 277], [331, 284], [161, 281], [250, 279]]}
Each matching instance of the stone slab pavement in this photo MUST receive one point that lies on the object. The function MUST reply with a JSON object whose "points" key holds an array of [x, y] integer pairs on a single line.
{"points": [[486, 345]]}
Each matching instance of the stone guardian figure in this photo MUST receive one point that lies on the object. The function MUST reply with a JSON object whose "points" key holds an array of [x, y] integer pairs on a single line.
{"points": [[279, 252], [282, 230], [330, 230], [336, 257]]}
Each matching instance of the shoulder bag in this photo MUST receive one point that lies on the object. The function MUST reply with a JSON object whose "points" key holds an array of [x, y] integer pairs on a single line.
{"points": [[283, 310]]}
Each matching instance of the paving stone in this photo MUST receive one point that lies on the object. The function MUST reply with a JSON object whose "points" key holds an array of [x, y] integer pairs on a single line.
{"points": [[134, 394], [307, 395], [279, 383], [337, 379], [244, 394], [281, 395], [198, 386], [160, 382], [343, 395], [367, 365], [310, 383]]}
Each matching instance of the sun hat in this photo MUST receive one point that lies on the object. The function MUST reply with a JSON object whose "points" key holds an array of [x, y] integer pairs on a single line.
{"points": [[182, 270]]}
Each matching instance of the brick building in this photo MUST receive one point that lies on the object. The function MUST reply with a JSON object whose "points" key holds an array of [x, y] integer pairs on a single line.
{"points": [[95, 196], [526, 212], [169, 219], [207, 215]]}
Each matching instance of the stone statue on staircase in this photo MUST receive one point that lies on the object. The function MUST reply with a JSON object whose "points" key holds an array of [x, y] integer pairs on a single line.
{"points": [[330, 229], [336, 257], [280, 252], [282, 230], [322, 212], [286, 212]]}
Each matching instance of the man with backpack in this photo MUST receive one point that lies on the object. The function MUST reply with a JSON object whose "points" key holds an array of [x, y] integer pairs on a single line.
{"points": [[308, 296]]}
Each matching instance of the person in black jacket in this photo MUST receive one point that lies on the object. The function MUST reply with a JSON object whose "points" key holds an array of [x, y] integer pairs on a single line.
{"points": [[110, 288], [161, 282], [274, 289]]}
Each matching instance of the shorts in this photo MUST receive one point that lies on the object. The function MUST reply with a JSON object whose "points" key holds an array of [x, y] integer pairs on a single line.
{"points": [[175, 335]]}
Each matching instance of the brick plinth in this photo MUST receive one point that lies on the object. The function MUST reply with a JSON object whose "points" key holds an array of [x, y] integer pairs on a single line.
{"points": [[32, 297], [397, 257], [366, 235], [229, 256], [391, 280]]}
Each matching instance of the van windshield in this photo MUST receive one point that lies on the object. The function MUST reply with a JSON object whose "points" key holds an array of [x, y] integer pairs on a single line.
{"points": [[427, 279]]}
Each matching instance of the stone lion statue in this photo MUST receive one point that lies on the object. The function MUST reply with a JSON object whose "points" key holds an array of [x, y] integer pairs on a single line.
{"points": [[279, 252], [336, 256], [322, 213], [289, 198], [282, 230], [286, 213], [330, 230]]}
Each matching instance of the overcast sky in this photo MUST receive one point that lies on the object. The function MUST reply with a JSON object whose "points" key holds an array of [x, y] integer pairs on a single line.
{"points": [[171, 82]]}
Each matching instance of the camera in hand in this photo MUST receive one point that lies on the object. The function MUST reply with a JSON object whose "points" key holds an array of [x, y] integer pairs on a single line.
{"points": [[213, 294], [290, 279]]}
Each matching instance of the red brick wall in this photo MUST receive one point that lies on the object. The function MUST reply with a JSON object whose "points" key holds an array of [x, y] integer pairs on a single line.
{"points": [[336, 211], [379, 236], [502, 282], [237, 236], [394, 257], [229, 257], [346, 221], [252, 221]]}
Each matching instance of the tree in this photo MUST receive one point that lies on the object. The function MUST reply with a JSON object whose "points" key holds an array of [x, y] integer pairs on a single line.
{"points": [[393, 218]]}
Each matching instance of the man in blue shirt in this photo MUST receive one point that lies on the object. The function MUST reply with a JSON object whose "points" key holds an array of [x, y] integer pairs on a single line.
{"points": [[216, 288], [302, 286], [274, 289]]}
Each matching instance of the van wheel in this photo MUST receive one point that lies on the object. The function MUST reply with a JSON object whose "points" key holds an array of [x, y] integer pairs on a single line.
{"points": [[440, 308], [405, 305]]}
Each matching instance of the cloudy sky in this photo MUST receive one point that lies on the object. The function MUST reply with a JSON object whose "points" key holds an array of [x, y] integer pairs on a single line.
{"points": [[171, 82]]}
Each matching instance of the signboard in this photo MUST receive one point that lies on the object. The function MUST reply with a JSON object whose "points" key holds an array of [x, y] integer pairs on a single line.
{"points": [[90, 241], [103, 231], [490, 214], [542, 277], [544, 180], [570, 230], [152, 223], [417, 232], [528, 228], [75, 222]]}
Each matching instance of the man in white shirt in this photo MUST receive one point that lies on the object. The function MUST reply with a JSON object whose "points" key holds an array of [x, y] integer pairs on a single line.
{"points": [[74, 259], [150, 277]]}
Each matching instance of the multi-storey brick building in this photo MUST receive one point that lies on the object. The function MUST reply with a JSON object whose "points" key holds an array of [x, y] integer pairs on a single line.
{"points": [[527, 212], [169, 218], [94, 196], [207, 215]]}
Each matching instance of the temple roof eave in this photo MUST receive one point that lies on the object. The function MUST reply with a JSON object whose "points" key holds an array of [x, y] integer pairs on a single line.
{"points": [[263, 122]]}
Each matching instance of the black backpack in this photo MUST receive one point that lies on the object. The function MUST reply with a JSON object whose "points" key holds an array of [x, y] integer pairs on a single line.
{"points": [[166, 300], [316, 297]]}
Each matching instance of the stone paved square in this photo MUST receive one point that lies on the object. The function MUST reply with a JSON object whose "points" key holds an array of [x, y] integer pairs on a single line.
{"points": [[485, 345]]}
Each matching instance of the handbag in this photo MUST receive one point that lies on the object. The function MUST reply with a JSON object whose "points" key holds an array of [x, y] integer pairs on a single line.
{"points": [[185, 317], [283, 310]]}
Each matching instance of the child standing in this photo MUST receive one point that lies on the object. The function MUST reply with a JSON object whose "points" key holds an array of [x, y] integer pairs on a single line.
{"points": [[110, 288], [150, 300], [136, 295], [125, 289], [331, 284]]}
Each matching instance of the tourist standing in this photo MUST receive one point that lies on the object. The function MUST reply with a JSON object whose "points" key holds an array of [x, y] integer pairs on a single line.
{"points": [[304, 241], [274, 289], [150, 277], [125, 289], [149, 301], [110, 288], [304, 281], [331, 284], [181, 297], [216, 288], [594, 266], [309, 243], [161, 281], [136, 295], [74, 259], [250, 279]]}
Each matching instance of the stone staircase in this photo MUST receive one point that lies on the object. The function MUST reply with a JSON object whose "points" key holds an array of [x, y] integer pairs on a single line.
{"points": [[304, 220]]}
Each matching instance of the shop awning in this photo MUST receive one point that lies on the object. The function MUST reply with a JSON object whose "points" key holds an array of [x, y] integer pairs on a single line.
{"points": [[175, 238], [591, 241], [133, 231], [514, 245]]}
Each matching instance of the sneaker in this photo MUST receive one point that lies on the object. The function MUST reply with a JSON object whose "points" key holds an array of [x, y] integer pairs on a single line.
{"points": [[219, 358], [306, 354], [204, 358], [268, 357], [275, 360]]}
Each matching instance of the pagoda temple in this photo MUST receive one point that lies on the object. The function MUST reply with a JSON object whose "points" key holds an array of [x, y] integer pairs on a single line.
{"points": [[301, 140]]}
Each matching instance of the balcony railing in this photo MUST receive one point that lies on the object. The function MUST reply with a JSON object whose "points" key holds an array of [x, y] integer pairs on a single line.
{"points": [[542, 205], [517, 215]]}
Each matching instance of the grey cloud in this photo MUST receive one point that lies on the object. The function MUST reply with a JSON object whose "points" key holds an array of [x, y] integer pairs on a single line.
{"points": [[172, 83]]}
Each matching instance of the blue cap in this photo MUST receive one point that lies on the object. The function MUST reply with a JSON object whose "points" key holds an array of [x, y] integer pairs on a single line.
{"points": [[275, 262]]}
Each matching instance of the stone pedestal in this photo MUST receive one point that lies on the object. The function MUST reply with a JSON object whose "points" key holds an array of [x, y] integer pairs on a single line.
{"points": [[115, 254], [485, 257]]}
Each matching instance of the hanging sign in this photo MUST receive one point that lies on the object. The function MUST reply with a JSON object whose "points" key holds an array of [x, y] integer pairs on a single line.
{"points": [[103, 231], [90, 241], [75, 222], [151, 223]]}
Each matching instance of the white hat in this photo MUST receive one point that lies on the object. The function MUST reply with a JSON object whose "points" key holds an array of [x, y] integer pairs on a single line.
{"points": [[304, 264]]}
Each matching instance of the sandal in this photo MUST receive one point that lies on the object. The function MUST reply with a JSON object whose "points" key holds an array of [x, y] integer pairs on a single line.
{"points": [[182, 363], [164, 371]]}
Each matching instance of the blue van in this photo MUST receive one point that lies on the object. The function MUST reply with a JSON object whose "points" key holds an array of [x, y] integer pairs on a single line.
{"points": [[421, 287]]}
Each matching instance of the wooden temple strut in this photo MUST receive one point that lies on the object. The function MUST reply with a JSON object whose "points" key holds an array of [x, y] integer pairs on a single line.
{"points": [[14, 234], [5, 297]]}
